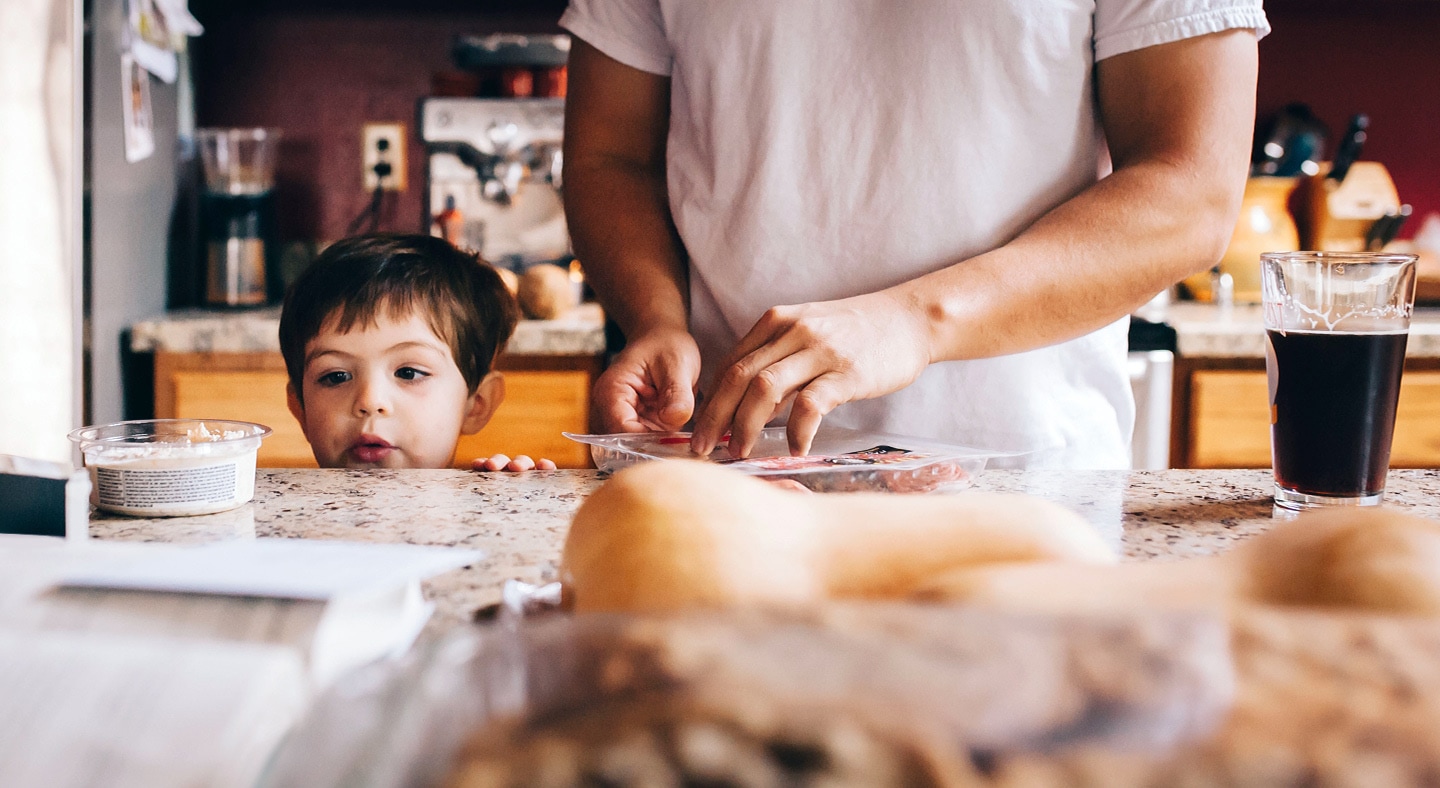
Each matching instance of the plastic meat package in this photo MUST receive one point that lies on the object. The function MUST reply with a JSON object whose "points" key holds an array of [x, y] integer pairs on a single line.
{"points": [[852, 694], [840, 460]]}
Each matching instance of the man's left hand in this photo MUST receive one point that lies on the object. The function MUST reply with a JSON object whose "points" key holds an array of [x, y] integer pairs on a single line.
{"points": [[821, 355]]}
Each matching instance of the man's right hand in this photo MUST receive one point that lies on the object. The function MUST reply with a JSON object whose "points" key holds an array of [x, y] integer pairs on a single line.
{"points": [[650, 386]]}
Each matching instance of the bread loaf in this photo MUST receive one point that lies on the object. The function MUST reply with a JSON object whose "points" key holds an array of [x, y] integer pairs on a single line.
{"points": [[672, 535], [1368, 559], [545, 292], [1376, 560]]}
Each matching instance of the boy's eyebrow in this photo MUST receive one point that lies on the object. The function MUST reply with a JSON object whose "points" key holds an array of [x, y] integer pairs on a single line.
{"points": [[436, 346], [322, 351], [409, 343]]}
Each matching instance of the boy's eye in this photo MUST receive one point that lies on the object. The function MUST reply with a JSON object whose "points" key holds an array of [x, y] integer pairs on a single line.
{"points": [[334, 378], [410, 373]]}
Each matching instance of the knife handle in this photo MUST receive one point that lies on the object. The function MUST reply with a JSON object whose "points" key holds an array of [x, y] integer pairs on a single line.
{"points": [[1350, 146], [1384, 230]]}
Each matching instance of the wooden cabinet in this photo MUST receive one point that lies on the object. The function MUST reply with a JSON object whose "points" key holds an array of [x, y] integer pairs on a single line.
{"points": [[545, 395], [1222, 415]]}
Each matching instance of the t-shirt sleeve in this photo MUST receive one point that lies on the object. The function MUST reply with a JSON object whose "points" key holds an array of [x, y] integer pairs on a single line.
{"points": [[630, 31], [1126, 25]]}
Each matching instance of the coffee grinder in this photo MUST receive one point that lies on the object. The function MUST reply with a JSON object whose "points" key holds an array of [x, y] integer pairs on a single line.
{"points": [[237, 215]]}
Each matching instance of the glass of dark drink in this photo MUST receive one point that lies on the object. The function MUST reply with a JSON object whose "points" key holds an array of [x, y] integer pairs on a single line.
{"points": [[1335, 326]]}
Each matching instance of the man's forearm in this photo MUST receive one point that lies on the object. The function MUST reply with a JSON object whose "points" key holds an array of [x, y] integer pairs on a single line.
{"points": [[620, 226], [1089, 262]]}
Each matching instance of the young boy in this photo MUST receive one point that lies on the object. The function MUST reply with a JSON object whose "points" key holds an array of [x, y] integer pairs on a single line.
{"points": [[389, 342]]}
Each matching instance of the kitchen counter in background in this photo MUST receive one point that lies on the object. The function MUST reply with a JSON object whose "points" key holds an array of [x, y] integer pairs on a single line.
{"points": [[1220, 409], [520, 520], [579, 332], [210, 364], [1208, 331]]}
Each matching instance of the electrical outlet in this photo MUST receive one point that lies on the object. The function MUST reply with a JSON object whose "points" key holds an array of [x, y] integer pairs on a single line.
{"points": [[390, 136]]}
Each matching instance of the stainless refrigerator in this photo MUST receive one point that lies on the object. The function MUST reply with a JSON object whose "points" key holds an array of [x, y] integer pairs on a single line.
{"points": [[85, 231], [41, 330]]}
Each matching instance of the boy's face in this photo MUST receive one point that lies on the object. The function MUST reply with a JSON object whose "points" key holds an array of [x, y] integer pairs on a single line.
{"points": [[388, 396]]}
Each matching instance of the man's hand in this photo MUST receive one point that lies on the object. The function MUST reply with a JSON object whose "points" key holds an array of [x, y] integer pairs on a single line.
{"points": [[822, 354], [651, 384]]}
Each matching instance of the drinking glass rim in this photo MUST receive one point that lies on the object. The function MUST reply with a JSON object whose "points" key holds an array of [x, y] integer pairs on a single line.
{"points": [[1342, 258]]}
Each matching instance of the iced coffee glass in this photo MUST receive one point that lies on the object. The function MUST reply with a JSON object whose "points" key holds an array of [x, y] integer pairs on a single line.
{"points": [[1335, 327]]}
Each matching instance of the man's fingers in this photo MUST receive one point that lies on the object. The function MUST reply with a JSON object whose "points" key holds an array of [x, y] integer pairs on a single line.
{"points": [[676, 378], [811, 405], [766, 395], [770, 326], [544, 465], [616, 403], [734, 382]]}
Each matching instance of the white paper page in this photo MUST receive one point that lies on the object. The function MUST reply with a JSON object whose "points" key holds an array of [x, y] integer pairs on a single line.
{"points": [[31, 564], [120, 712], [333, 637], [357, 629], [287, 622], [30, 601], [291, 568]]}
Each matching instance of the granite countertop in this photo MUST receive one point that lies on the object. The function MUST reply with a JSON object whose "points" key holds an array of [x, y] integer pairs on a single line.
{"points": [[580, 332], [520, 520], [1209, 331]]}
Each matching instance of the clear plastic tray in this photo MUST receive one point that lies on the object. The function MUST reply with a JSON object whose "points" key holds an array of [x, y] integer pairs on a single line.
{"points": [[840, 460], [954, 685]]}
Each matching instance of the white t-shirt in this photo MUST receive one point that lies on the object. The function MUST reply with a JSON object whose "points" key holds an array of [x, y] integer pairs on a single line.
{"points": [[821, 149]]}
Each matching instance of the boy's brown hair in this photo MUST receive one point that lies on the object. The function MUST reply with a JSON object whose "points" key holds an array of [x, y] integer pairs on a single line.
{"points": [[461, 297]]}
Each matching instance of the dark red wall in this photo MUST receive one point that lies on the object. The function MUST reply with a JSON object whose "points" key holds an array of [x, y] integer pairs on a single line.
{"points": [[1381, 57], [320, 74], [322, 71]]}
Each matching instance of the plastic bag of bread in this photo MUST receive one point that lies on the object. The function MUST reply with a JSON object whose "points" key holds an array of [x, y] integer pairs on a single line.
{"points": [[840, 460], [678, 535], [873, 695]]}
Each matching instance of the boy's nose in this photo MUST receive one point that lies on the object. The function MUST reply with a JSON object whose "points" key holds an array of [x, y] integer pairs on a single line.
{"points": [[372, 401]]}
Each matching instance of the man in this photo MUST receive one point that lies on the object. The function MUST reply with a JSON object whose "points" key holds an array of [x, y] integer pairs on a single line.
{"points": [[890, 215]]}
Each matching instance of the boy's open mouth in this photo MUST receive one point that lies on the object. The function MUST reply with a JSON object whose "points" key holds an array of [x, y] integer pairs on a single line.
{"points": [[370, 448]]}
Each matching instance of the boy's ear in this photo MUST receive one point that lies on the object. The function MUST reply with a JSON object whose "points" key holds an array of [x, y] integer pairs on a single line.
{"points": [[487, 397], [292, 400]]}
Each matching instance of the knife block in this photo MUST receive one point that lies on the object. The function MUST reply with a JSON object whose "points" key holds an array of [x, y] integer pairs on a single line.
{"points": [[1265, 224], [1338, 215]]}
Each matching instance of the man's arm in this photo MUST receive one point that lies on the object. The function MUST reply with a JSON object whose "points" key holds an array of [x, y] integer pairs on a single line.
{"points": [[616, 122], [1178, 118]]}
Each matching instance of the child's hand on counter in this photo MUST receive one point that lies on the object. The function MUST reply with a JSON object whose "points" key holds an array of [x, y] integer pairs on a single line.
{"points": [[500, 462]]}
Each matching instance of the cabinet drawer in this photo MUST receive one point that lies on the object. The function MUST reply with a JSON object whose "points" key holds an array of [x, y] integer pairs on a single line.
{"points": [[538, 407], [1230, 420], [257, 396], [1417, 422]]}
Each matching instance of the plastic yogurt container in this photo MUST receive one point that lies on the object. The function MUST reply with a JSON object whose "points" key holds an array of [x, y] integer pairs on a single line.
{"points": [[171, 467]]}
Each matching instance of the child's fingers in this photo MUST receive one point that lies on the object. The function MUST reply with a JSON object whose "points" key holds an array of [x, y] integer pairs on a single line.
{"points": [[495, 463], [501, 462], [521, 463]]}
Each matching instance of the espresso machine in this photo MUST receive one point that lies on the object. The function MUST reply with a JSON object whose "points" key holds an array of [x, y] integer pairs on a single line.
{"points": [[493, 177]]}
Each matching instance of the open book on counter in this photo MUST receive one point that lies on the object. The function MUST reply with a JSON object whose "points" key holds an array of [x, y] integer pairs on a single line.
{"points": [[153, 665]]}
